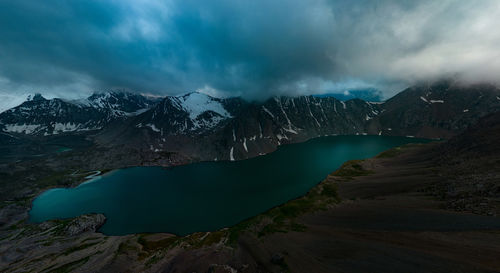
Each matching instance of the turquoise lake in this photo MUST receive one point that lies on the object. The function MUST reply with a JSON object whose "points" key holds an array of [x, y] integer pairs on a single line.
{"points": [[210, 195]]}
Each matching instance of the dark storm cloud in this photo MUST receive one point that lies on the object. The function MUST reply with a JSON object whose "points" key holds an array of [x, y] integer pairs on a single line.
{"points": [[254, 48]]}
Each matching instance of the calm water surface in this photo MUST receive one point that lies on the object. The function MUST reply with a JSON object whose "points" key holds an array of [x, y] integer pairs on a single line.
{"points": [[210, 195]]}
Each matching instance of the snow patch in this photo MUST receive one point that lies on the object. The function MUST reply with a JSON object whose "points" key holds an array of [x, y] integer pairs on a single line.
{"points": [[196, 104], [431, 101], [280, 137], [290, 130], [424, 99], [206, 123], [466, 110], [310, 113], [286, 116], [231, 157], [21, 128], [267, 111], [66, 127], [153, 127], [245, 144]]}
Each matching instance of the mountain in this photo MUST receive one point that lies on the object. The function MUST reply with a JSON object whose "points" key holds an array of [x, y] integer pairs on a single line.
{"points": [[433, 199], [197, 127], [281, 120], [437, 110], [119, 104], [193, 113], [39, 116], [204, 128]]}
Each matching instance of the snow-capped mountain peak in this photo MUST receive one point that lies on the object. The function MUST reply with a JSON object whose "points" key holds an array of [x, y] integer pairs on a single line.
{"points": [[41, 116], [197, 103], [191, 113]]}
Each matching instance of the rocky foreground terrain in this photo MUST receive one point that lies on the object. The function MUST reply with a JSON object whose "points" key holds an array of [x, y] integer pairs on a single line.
{"points": [[417, 208]]}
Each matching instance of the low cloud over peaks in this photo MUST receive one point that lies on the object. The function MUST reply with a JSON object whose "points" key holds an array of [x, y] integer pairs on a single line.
{"points": [[250, 48]]}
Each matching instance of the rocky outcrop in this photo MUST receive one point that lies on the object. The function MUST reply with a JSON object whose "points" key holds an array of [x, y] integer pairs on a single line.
{"points": [[85, 223]]}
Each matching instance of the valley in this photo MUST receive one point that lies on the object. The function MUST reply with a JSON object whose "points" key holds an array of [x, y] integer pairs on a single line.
{"points": [[392, 210], [424, 186], [296, 136]]}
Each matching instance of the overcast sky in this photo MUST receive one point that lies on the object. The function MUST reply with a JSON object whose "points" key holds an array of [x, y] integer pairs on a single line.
{"points": [[252, 48]]}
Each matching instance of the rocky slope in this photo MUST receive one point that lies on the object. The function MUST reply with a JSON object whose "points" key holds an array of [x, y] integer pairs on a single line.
{"points": [[436, 110], [471, 161]]}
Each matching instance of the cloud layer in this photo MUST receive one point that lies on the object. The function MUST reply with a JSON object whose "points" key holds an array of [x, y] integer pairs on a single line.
{"points": [[233, 47]]}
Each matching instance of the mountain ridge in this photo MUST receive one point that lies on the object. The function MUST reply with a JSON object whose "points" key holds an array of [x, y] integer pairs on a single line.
{"points": [[43, 117], [198, 127], [428, 111]]}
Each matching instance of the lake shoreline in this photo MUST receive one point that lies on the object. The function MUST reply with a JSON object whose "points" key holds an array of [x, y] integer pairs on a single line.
{"points": [[153, 251], [303, 155]]}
